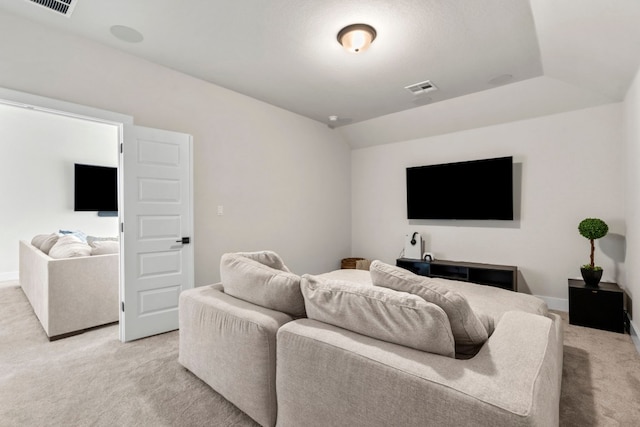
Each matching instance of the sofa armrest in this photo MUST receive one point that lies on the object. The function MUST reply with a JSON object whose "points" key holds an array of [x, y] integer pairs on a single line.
{"points": [[331, 376], [70, 294], [83, 293], [34, 280], [230, 344]]}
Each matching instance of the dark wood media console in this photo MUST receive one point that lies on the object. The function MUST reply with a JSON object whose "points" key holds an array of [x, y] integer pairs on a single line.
{"points": [[500, 276]]}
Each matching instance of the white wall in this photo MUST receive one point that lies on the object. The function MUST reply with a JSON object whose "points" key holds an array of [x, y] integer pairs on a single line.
{"points": [[38, 153], [282, 178], [571, 168], [632, 211]]}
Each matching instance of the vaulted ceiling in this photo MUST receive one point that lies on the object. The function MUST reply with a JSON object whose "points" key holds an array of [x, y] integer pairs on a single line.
{"points": [[285, 52]]}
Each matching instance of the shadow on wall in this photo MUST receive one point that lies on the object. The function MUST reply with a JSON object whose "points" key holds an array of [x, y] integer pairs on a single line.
{"points": [[523, 286], [615, 247]]}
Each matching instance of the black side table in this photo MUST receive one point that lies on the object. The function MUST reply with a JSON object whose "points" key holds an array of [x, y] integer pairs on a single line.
{"points": [[600, 308]]}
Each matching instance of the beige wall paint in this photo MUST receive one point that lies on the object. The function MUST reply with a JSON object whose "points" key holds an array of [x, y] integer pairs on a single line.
{"points": [[281, 178], [564, 159]]}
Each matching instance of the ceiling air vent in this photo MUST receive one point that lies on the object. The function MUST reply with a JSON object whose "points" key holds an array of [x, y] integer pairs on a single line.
{"points": [[422, 87], [63, 7]]}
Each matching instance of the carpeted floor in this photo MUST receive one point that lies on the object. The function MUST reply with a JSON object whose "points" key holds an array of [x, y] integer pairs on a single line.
{"points": [[600, 378], [94, 380]]}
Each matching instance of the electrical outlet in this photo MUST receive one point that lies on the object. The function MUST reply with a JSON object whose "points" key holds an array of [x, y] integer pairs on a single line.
{"points": [[220, 210]]}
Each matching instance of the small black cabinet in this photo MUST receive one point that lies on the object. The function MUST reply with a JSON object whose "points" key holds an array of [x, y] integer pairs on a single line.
{"points": [[501, 276], [599, 307]]}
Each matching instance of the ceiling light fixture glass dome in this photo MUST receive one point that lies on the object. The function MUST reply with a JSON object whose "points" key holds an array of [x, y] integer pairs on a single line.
{"points": [[356, 37]]}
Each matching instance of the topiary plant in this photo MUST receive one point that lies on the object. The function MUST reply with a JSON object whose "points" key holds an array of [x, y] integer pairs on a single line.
{"points": [[592, 229]]}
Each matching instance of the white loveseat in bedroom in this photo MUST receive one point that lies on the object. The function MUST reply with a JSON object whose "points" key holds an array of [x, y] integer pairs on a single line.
{"points": [[72, 293], [371, 348]]}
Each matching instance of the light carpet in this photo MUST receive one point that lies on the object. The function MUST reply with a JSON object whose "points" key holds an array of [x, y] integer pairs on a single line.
{"points": [[94, 380]]}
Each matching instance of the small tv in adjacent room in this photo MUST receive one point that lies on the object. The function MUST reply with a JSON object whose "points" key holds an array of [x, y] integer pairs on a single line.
{"points": [[95, 188], [470, 190]]}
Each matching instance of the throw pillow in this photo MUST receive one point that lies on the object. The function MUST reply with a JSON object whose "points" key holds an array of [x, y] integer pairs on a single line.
{"points": [[249, 280], [381, 313], [91, 239], [79, 234], [467, 329], [49, 242], [69, 247], [38, 240], [104, 247]]}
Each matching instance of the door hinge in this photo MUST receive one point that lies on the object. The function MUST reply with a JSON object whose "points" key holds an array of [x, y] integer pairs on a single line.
{"points": [[121, 147], [122, 306], [122, 227]]}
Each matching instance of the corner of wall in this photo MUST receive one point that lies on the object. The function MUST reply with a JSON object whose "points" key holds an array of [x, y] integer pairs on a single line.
{"points": [[559, 304], [633, 331]]}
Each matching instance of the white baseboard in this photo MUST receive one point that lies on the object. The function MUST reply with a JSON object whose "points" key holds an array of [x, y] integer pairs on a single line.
{"points": [[559, 304], [10, 275]]}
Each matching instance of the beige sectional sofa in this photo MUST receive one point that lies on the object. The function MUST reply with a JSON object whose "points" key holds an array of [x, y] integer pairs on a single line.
{"points": [[70, 295], [358, 359]]}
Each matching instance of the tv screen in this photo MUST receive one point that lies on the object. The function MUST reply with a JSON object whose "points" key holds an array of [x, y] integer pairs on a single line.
{"points": [[96, 188], [478, 189]]}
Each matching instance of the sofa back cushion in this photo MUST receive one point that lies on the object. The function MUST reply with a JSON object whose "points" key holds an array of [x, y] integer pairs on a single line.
{"points": [[268, 258], [249, 280], [68, 247], [467, 328], [49, 242], [380, 313], [39, 239], [104, 247]]}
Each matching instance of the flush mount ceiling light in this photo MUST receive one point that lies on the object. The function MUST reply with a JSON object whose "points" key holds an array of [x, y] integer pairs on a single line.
{"points": [[357, 37]]}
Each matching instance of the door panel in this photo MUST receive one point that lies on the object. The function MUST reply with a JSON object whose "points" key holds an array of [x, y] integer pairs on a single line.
{"points": [[156, 215]]}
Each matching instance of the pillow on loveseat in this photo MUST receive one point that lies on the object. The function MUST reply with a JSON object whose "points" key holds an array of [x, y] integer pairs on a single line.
{"points": [[381, 313], [69, 247], [38, 240], [104, 247], [49, 242], [467, 328], [249, 280], [79, 234], [91, 239]]}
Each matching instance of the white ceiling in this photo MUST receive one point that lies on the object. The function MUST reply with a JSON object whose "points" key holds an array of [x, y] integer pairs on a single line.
{"points": [[285, 52]]}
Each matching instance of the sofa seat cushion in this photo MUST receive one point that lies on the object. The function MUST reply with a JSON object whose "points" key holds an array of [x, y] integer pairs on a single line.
{"points": [[381, 313], [260, 284], [467, 328]]}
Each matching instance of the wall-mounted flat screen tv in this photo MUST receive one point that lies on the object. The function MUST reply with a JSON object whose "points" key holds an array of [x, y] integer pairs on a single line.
{"points": [[473, 190], [95, 188]]}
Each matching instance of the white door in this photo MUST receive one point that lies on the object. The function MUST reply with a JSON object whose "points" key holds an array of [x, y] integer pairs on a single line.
{"points": [[156, 229]]}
